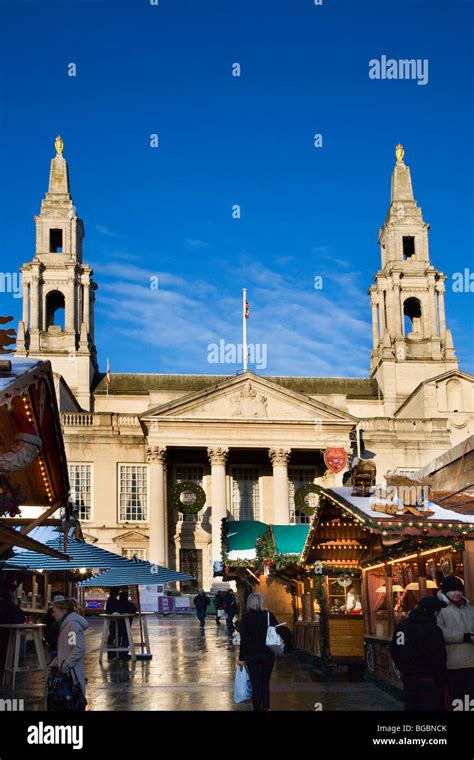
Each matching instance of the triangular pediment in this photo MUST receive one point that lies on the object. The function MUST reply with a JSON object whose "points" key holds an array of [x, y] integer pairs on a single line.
{"points": [[248, 397], [131, 535]]}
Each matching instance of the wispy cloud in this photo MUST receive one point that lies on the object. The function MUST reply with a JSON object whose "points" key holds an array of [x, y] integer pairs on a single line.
{"points": [[307, 332], [104, 230], [196, 243]]}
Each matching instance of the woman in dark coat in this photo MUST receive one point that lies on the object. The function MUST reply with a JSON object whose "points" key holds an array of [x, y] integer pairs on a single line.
{"points": [[254, 653], [125, 606]]}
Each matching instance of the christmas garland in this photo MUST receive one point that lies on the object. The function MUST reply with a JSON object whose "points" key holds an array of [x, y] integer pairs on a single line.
{"points": [[300, 497], [194, 506]]}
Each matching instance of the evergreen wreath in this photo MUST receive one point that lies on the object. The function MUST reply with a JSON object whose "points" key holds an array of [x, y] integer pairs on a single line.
{"points": [[191, 508]]}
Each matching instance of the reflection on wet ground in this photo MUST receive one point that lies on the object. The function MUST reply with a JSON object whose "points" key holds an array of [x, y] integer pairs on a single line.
{"points": [[194, 671]]}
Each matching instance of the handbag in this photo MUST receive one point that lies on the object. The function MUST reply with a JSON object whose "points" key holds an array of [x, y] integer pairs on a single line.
{"points": [[242, 686], [64, 694], [274, 641]]}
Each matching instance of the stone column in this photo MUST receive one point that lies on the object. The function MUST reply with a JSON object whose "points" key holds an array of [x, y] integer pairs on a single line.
{"points": [[86, 303], [34, 309], [434, 326], [375, 321], [70, 305], [217, 457], [397, 309], [156, 458], [25, 304], [281, 506], [442, 313], [382, 312]]}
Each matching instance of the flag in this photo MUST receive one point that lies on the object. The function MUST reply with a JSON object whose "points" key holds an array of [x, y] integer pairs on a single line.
{"points": [[246, 309], [107, 374]]}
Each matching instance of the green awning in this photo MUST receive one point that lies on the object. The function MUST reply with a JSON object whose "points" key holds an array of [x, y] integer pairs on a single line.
{"points": [[242, 536], [290, 539]]}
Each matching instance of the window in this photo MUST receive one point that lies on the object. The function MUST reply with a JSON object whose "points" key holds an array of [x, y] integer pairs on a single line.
{"points": [[56, 241], [80, 478], [190, 562], [412, 316], [133, 492], [408, 247], [297, 477], [131, 553], [246, 493], [55, 309]]}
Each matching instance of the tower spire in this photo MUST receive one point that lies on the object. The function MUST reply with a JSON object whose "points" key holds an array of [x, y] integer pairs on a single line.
{"points": [[407, 299], [58, 289]]}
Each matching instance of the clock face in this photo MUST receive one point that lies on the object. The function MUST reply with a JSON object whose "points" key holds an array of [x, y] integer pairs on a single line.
{"points": [[188, 498]]}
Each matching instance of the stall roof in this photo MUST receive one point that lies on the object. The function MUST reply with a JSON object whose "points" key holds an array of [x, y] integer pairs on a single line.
{"points": [[290, 539], [242, 536], [81, 555], [44, 534], [364, 505], [131, 572]]}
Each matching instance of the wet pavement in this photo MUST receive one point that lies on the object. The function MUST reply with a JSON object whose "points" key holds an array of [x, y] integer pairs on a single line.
{"points": [[194, 671]]}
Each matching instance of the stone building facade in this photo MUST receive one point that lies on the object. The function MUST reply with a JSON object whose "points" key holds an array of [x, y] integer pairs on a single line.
{"points": [[249, 441]]}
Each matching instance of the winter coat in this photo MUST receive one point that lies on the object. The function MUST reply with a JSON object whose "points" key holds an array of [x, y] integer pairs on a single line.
{"points": [[230, 605], [421, 651], [112, 605], [201, 602], [455, 622], [253, 633], [71, 650]]}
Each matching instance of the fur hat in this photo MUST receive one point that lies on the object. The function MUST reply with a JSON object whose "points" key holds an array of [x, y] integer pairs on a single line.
{"points": [[452, 583]]}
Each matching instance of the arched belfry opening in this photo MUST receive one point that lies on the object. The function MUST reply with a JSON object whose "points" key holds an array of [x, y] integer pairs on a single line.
{"points": [[55, 309], [412, 317]]}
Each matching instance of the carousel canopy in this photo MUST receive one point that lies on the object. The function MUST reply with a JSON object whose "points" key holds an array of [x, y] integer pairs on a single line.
{"points": [[31, 444], [132, 572]]}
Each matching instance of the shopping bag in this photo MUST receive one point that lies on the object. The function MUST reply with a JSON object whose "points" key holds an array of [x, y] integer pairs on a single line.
{"points": [[220, 613], [274, 641], [242, 686], [64, 694]]}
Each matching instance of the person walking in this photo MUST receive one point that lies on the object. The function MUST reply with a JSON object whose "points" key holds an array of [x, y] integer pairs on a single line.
{"points": [[125, 606], [219, 606], [254, 653], [456, 621], [51, 632], [230, 607], [112, 605], [71, 641], [419, 652], [201, 602]]}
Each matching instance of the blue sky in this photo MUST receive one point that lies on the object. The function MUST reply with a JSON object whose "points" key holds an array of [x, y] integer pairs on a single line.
{"points": [[245, 140]]}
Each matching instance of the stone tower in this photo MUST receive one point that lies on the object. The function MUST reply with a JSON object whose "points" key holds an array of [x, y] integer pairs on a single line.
{"points": [[58, 290], [410, 340]]}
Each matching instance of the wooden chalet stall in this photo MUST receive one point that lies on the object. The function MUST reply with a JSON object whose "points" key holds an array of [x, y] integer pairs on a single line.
{"points": [[263, 559]]}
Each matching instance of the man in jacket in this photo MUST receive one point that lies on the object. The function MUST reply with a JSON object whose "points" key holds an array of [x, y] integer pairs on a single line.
{"points": [[456, 621], [230, 607], [419, 652], [201, 602]]}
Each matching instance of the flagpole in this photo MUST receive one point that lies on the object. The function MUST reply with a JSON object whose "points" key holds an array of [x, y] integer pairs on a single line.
{"points": [[244, 326]]}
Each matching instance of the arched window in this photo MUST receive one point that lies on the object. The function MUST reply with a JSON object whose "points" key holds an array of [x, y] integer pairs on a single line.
{"points": [[454, 395], [55, 309], [412, 316]]}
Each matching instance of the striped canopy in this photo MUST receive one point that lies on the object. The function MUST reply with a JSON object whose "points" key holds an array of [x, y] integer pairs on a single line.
{"points": [[136, 572], [80, 553]]}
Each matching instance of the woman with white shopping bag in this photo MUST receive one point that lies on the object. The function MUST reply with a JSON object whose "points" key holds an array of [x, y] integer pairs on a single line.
{"points": [[255, 625]]}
